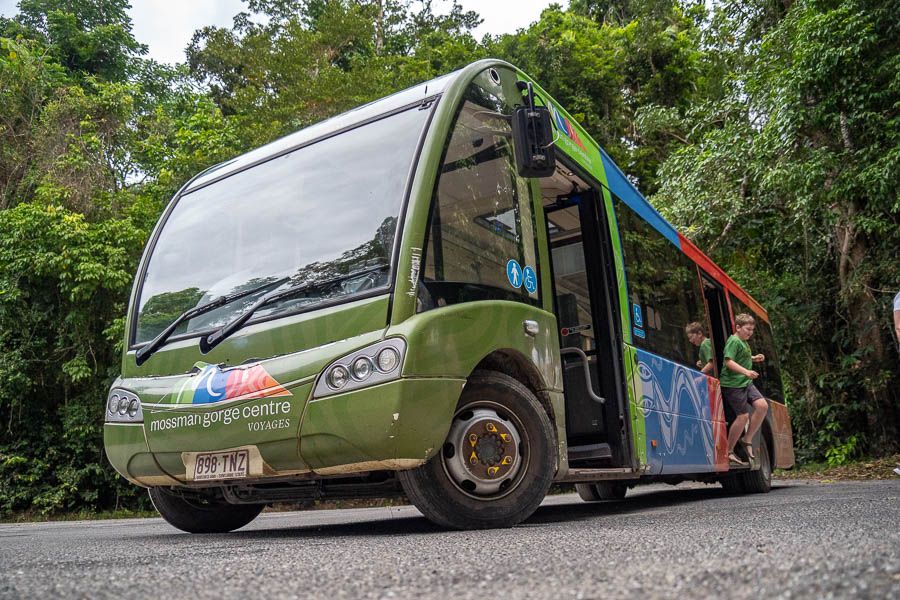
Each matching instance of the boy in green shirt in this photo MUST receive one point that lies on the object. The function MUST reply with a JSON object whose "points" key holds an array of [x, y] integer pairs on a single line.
{"points": [[738, 390], [695, 336]]}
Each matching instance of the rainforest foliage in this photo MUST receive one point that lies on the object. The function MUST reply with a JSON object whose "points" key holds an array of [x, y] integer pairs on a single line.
{"points": [[767, 131]]}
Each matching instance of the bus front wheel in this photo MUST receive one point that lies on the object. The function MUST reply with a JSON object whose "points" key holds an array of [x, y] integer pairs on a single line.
{"points": [[497, 463], [201, 514]]}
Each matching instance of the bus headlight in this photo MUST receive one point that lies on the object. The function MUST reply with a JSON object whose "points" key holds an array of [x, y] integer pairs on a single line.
{"points": [[123, 406], [362, 368], [374, 364], [388, 360], [338, 377]]}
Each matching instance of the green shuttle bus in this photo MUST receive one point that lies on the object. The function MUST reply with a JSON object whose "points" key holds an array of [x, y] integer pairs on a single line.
{"points": [[451, 293]]}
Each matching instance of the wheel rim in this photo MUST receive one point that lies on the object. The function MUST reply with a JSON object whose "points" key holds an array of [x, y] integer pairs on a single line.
{"points": [[485, 455]]}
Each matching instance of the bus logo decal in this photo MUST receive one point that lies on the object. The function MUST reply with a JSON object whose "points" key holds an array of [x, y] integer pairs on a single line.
{"points": [[415, 260], [212, 384], [564, 126]]}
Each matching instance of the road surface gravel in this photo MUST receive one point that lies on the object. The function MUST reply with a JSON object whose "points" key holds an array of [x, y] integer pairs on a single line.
{"points": [[802, 540]]}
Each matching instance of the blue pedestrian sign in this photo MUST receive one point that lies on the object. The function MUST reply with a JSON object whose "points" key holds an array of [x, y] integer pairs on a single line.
{"points": [[529, 280], [514, 273]]}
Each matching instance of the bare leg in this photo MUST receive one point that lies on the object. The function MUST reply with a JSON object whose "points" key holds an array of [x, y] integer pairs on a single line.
{"points": [[760, 408], [737, 428]]}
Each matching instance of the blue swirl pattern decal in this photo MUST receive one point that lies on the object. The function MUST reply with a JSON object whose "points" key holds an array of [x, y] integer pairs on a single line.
{"points": [[676, 407]]}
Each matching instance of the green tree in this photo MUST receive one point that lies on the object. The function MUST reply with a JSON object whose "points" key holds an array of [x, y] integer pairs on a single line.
{"points": [[605, 62], [92, 37], [302, 62], [63, 285], [90, 152], [792, 179]]}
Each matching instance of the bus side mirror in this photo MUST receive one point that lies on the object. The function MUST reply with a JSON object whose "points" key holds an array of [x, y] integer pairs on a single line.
{"points": [[533, 141]]}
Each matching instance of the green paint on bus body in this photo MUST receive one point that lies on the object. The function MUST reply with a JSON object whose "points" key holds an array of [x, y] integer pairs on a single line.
{"points": [[391, 424], [587, 155], [635, 406], [619, 260]]}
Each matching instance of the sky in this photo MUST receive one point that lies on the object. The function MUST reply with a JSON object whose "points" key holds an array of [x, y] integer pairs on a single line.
{"points": [[166, 26]]}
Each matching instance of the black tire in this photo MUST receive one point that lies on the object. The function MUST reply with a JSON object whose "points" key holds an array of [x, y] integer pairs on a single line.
{"points": [[732, 483], [760, 480], [588, 492], [447, 501], [603, 490], [201, 514]]}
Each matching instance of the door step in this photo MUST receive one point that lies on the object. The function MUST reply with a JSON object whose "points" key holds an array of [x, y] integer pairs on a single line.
{"points": [[577, 475], [589, 452], [753, 465]]}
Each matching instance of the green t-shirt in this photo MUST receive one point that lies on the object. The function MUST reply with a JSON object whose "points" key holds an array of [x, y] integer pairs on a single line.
{"points": [[739, 351], [705, 352]]}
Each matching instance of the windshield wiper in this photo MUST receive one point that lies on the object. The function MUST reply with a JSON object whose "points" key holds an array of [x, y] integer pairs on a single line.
{"points": [[210, 341], [153, 345]]}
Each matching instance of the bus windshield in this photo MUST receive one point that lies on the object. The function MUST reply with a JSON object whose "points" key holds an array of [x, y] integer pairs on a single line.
{"points": [[319, 213]]}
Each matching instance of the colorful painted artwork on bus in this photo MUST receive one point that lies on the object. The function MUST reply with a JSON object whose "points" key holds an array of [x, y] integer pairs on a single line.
{"points": [[684, 420], [565, 126], [212, 384]]}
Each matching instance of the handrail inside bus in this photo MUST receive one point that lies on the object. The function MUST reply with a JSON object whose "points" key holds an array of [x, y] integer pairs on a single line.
{"points": [[587, 372]]}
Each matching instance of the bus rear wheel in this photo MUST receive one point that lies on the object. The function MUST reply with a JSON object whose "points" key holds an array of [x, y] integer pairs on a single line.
{"points": [[497, 463], [760, 480], [201, 514], [603, 490]]}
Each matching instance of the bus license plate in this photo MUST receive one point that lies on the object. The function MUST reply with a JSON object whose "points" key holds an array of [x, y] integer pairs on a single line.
{"points": [[233, 464]]}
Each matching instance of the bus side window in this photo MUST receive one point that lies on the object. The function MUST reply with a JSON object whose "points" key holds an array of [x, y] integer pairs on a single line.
{"points": [[481, 241], [663, 289]]}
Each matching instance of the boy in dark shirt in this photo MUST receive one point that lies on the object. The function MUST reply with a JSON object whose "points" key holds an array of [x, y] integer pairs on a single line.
{"points": [[738, 390]]}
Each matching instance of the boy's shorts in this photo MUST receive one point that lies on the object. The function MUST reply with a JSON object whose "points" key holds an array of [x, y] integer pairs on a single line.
{"points": [[740, 399]]}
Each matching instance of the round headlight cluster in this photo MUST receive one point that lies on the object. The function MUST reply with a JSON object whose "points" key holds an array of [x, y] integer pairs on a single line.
{"points": [[112, 405], [362, 368]]}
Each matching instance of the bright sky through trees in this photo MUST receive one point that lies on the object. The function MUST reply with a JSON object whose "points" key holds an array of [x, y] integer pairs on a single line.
{"points": [[166, 26]]}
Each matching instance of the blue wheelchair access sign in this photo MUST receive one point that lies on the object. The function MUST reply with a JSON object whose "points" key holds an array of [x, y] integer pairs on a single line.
{"points": [[514, 273], [638, 318], [529, 280]]}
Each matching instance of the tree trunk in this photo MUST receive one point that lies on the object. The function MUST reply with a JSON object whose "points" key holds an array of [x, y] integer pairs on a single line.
{"points": [[379, 28], [855, 294]]}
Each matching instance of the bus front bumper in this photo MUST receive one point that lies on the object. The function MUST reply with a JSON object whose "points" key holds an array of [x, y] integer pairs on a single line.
{"points": [[392, 426]]}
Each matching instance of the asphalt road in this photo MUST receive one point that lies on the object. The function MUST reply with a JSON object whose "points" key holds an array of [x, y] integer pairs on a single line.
{"points": [[802, 540]]}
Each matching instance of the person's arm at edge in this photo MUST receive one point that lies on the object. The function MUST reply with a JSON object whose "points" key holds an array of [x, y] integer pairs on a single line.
{"points": [[897, 325], [708, 368], [731, 365]]}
